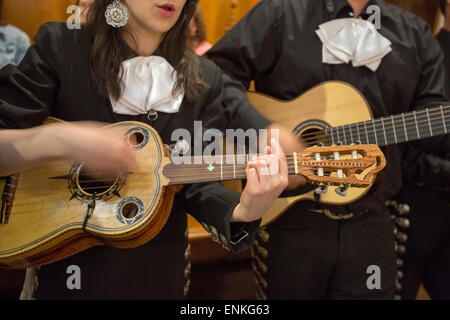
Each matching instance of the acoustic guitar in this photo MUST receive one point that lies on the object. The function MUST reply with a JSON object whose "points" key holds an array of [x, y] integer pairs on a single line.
{"points": [[54, 211], [336, 113]]}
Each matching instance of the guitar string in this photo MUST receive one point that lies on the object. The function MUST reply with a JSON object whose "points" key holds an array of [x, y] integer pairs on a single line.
{"points": [[391, 137], [371, 130], [289, 156], [354, 130], [390, 134], [387, 121], [235, 173], [316, 137], [239, 175], [399, 117]]}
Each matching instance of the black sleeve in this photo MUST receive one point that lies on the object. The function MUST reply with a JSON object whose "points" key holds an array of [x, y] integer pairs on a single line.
{"points": [[212, 204], [444, 41], [431, 88], [418, 166], [27, 92], [226, 104], [422, 168], [252, 47]]}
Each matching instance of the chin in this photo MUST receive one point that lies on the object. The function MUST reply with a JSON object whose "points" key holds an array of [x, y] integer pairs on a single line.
{"points": [[160, 26]]}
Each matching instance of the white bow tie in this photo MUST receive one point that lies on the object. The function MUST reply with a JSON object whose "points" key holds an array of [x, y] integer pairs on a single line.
{"points": [[354, 40], [148, 84]]}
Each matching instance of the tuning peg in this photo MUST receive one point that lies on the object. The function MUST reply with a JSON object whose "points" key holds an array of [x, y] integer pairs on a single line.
{"points": [[341, 190], [322, 189], [403, 223]]}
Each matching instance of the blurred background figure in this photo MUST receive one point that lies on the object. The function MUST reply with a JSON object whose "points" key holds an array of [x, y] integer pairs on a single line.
{"points": [[446, 11], [444, 37], [14, 42], [84, 6], [197, 34]]}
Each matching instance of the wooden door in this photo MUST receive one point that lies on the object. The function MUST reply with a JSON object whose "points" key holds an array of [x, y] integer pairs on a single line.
{"points": [[28, 15], [221, 15]]}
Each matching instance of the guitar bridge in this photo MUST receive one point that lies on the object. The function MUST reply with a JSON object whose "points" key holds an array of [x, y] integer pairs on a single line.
{"points": [[8, 198]]}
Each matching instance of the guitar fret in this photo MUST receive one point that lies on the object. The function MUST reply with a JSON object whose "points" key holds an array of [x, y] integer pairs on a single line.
{"points": [[393, 126], [417, 127], [345, 138], [384, 132], [332, 136], [339, 138], [351, 134], [367, 134], [443, 120], [221, 169], [234, 166], [359, 136], [375, 131], [429, 122], [404, 126]]}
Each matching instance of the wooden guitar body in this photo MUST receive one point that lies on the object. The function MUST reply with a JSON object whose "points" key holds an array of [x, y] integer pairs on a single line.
{"points": [[330, 104], [51, 203], [60, 209]]}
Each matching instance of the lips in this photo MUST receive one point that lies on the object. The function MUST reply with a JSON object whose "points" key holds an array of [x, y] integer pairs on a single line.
{"points": [[167, 9]]}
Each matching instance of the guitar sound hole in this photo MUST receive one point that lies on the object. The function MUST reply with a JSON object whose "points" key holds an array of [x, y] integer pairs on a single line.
{"points": [[313, 136], [130, 210], [136, 139], [99, 183]]}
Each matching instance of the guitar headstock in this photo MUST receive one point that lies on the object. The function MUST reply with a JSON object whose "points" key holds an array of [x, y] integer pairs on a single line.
{"points": [[343, 166]]}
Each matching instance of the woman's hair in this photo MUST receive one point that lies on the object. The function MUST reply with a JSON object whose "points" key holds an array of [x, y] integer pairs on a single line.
{"points": [[110, 50], [200, 35], [443, 4]]}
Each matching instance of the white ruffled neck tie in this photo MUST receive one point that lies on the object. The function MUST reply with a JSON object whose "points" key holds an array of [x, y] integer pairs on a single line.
{"points": [[354, 40], [147, 84]]}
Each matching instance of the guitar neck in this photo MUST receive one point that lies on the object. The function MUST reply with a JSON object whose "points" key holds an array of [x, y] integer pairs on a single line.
{"points": [[317, 164], [216, 168], [396, 129]]}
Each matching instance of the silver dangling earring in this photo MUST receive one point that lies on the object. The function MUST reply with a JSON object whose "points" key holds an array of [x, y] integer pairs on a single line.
{"points": [[116, 14]]}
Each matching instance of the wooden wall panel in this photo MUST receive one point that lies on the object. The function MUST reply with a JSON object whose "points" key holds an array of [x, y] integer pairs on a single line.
{"points": [[219, 15], [28, 15], [426, 9]]}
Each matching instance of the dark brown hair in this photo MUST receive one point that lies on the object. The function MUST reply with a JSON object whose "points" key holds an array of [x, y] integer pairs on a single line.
{"points": [[200, 36], [443, 5], [110, 50]]}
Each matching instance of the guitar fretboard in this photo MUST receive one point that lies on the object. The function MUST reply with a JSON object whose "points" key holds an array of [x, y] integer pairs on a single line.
{"points": [[216, 168], [395, 129]]}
